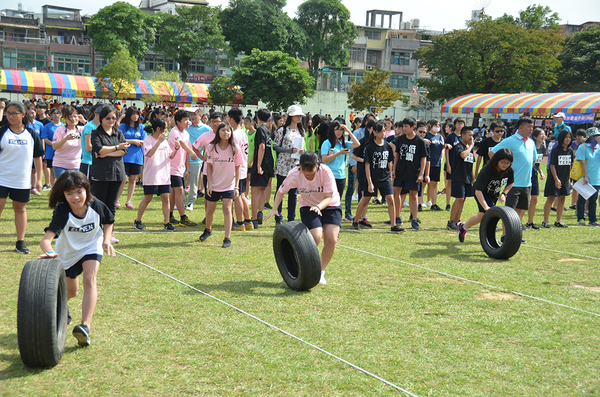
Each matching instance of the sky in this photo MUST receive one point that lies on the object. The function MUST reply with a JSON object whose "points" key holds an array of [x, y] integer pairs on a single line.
{"points": [[433, 14]]}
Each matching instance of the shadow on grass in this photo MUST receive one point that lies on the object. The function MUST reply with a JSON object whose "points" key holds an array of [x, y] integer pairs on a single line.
{"points": [[451, 249], [250, 287]]}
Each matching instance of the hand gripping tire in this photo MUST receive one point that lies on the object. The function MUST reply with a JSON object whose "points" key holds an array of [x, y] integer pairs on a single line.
{"points": [[42, 313], [297, 256], [512, 228]]}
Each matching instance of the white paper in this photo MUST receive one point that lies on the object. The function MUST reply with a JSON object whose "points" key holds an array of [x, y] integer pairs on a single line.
{"points": [[585, 189], [298, 144]]}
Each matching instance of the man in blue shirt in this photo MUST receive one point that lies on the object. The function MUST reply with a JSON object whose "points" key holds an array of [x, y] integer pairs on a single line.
{"points": [[559, 124], [195, 130]]}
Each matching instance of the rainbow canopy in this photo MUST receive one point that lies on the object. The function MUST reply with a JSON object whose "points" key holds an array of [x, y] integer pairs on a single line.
{"points": [[568, 102]]}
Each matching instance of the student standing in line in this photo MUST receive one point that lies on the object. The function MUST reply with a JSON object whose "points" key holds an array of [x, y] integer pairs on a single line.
{"points": [[539, 136], [134, 133], [261, 171], [361, 176], [48, 136], [67, 143], [197, 129], [86, 140], [421, 131], [557, 184], [498, 130], [242, 209], [462, 174], [588, 155], [452, 137], [436, 152]]}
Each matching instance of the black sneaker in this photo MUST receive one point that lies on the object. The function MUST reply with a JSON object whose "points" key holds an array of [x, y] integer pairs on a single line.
{"points": [[462, 232], [410, 219], [448, 207], [560, 224], [259, 217], [200, 194], [553, 209], [383, 201], [168, 227], [185, 221], [173, 220], [532, 226], [205, 235], [226, 243], [21, 248], [268, 206], [398, 221], [451, 225], [355, 226], [376, 202], [573, 207], [435, 207], [420, 208], [397, 229], [82, 333], [204, 221], [365, 223], [138, 225]]}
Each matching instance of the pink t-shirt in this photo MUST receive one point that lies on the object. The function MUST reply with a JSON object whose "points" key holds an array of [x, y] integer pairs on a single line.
{"points": [[203, 141], [223, 167], [178, 162], [157, 169], [312, 192], [241, 140], [69, 155]]}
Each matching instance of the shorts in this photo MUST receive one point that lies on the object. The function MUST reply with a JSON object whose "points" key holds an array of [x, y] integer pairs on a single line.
{"points": [[434, 173], [260, 180], [18, 195], [156, 189], [448, 176], [85, 169], [518, 198], [242, 185], [176, 181], [77, 268], [49, 163], [58, 171], [461, 190], [132, 169], [216, 196], [551, 190], [535, 187], [384, 190], [329, 216], [489, 200], [407, 186]]}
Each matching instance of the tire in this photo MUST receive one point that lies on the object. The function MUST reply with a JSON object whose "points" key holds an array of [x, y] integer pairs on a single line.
{"points": [[297, 256], [512, 238], [42, 313]]}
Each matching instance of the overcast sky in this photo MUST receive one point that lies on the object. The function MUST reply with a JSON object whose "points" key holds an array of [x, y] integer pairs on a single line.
{"points": [[434, 14]]}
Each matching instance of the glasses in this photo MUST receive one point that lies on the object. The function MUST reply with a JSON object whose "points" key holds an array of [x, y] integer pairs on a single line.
{"points": [[110, 118], [13, 114], [498, 131]]}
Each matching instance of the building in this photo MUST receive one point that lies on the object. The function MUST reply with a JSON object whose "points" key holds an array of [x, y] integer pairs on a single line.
{"points": [[568, 29]]}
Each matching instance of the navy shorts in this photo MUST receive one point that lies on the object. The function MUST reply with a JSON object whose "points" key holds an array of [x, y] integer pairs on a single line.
{"points": [[384, 190], [551, 190], [329, 216], [490, 201], [18, 195], [434, 173], [49, 163], [535, 187], [448, 176], [407, 186], [77, 268], [176, 181], [461, 190], [156, 189], [518, 198], [132, 169], [259, 180], [204, 181], [216, 196], [242, 185]]}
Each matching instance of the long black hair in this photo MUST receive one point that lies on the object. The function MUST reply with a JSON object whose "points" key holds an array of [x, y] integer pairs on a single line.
{"points": [[217, 138], [334, 125], [127, 119], [563, 135], [68, 180], [499, 155]]}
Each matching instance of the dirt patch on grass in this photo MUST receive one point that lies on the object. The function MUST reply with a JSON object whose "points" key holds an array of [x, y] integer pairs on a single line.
{"points": [[595, 289], [571, 260], [495, 295]]}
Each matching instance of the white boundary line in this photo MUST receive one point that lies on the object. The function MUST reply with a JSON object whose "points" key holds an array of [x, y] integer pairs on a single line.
{"points": [[273, 326]]}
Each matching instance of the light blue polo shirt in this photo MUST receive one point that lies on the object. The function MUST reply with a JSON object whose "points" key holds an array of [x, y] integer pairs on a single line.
{"points": [[338, 164], [195, 131], [524, 155], [592, 156]]}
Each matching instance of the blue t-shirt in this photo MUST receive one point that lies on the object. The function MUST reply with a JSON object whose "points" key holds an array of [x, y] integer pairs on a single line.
{"points": [[48, 133], [195, 131], [592, 156], [338, 164], [135, 154], [524, 156], [37, 126], [86, 157], [436, 148], [559, 127]]}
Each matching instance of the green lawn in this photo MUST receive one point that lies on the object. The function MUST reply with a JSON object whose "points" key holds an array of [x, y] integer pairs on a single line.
{"points": [[382, 310]]}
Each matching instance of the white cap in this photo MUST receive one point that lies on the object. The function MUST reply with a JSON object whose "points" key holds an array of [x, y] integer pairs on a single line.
{"points": [[560, 114], [295, 110]]}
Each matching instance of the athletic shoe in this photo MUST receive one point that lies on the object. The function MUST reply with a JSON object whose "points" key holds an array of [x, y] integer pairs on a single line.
{"points": [[259, 217], [420, 208], [365, 223], [405, 205], [427, 204], [594, 224], [410, 219], [205, 235], [254, 224], [376, 202], [226, 243], [355, 197], [69, 320], [442, 192], [118, 205], [114, 240], [204, 221], [137, 224], [349, 218], [200, 194], [397, 229], [168, 227], [189, 207], [238, 227], [248, 225], [581, 222], [355, 226], [415, 225], [383, 201], [560, 224], [448, 207], [435, 207], [546, 225], [185, 221], [21, 248], [81, 332], [128, 205], [451, 225], [462, 232], [573, 207], [553, 209], [532, 226], [35, 192], [398, 221], [46, 187], [173, 220], [187, 189], [267, 206], [322, 280]]}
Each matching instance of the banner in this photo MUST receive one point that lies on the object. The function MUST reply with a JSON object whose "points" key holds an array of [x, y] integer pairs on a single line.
{"points": [[579, 118]]}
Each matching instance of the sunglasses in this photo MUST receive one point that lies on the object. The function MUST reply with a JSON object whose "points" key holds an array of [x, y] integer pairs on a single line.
{"points": [[110, 118]]}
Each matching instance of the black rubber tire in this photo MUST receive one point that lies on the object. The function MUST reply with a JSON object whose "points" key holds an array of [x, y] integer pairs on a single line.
{"points": [[297, 256], [42, 313], [513, 229]]}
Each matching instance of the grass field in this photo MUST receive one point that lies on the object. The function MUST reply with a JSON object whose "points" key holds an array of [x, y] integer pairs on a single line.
{"points": [[387, 308]]}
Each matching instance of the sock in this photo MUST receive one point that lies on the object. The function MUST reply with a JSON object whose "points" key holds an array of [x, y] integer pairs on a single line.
{"points": [[171, 214]]}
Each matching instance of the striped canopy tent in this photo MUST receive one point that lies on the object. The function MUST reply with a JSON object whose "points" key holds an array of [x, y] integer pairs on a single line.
{"points": [[567, 102]]}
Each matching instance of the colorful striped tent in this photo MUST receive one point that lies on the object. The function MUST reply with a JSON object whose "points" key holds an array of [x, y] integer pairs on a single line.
{"points": [[70, 86], [568, 102]]}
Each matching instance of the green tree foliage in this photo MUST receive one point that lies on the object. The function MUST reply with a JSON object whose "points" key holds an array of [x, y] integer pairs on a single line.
{"points": [[249, 24], [122, 25], [161, 79], [222, 91], [119, 76], [193, 32], [373, 93], [329, 31], [273, 77], [491, 56], [581, 61], [533, 17]]}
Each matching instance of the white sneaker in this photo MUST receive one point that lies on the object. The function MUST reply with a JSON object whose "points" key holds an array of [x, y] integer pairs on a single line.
{"points": [[427, 204], [355, 197], [405, 204], [189, 207], [323, 281], [175, 207]]}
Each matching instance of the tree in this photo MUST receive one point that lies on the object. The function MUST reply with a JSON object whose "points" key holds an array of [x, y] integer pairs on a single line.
{"points": [[373, 92], [329, 31], [161, 80], [119, 76], [274, 78], [249, 24], [122, 25], [538, 17], [194, 32], [222, 91], [580, 59], [491, 56]]}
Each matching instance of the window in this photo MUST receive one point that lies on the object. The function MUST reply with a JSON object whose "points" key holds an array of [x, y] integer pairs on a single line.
{"points": [[357, 54], [400, 58], [399, 81], [372, 35], [372, 57]]}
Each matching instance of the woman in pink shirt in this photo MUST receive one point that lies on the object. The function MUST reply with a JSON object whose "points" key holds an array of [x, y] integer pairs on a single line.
{"points": [[223, 161], [320, 206], [67, 143]]}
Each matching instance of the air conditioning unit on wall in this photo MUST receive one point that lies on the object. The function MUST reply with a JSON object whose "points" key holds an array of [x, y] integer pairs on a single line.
{"points": [[369, 67]]}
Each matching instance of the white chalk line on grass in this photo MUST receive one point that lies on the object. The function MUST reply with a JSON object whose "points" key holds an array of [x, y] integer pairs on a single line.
{"points": [[470, 281], [272, 326], [559, 252]]}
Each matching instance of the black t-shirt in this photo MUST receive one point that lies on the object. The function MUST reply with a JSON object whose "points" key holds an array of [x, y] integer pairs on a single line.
{"points": [[562, 160], [452, 139], [360, 153], [491, 183], [484, 149], [536, 165], [379, 158], [263, 136], [462, 170], [45, 121], [410, 152]]}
